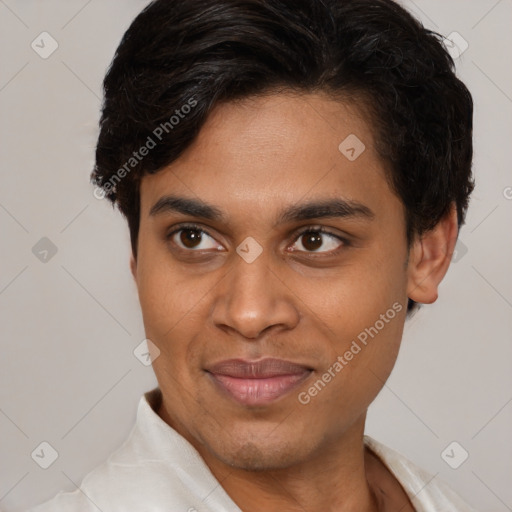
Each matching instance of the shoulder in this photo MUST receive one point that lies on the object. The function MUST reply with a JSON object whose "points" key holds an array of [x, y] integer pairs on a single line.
{"points": [[427, 492], [154, 469], [125, 481]]}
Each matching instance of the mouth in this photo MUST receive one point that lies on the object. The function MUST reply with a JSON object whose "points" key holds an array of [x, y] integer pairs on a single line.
{"points": [[257, 382]]}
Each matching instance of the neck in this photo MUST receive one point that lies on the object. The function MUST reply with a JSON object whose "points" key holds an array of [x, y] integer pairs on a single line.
{"points": [[334, 479]]}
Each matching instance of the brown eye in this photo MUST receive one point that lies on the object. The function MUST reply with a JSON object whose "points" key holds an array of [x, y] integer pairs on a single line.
{"points": [[190, 238], [312, 240], [193, 239]]}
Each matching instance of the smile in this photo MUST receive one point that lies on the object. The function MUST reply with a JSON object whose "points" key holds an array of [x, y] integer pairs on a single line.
{"points": [[257, 383]]}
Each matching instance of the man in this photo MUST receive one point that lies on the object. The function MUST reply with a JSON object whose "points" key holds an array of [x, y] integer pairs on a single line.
{"points": [[294, 174]]}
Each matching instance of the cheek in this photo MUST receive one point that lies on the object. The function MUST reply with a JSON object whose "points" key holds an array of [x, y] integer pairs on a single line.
{"points": [[357, 295], [170, 300], [363, 311], [172, 312], [365, 328], [360, 360]]}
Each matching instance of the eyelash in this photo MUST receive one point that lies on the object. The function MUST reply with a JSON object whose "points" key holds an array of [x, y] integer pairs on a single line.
{"points": [[309, 229]]}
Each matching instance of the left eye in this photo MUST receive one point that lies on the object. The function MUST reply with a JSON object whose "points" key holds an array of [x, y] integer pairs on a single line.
{"points": [[314, 239]]}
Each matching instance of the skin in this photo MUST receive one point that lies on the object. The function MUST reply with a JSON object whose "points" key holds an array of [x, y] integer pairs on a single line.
{"points": [[252, 159]]}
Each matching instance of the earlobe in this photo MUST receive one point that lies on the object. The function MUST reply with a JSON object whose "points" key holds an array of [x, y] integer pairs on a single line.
{"points": [[429, 259], [133, 267]]}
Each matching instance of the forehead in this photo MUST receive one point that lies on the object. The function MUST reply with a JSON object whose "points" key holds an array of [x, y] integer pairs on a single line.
{"points": [[283, 126], [276, 148]]}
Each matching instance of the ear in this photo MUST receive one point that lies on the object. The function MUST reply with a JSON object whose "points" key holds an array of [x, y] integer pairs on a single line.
{"points": [[133, 267], [429, 258]]}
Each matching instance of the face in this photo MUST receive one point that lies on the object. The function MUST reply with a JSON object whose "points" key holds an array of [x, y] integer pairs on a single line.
{"points": [[272, 277]]}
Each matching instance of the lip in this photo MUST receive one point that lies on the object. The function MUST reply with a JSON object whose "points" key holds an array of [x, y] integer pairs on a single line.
{"points": [[257, 382]]}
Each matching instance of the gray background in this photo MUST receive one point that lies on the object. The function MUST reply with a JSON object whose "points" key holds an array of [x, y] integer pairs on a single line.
{"points": [[69, 324]]}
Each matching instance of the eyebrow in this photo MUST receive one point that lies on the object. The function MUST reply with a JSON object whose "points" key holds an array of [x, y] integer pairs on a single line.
{"points": [[315, 209]]}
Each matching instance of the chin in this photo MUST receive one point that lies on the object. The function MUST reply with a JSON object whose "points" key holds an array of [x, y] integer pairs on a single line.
{"points": [[266, 455]]}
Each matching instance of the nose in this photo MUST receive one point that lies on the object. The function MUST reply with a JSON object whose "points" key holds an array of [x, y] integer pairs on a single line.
{"points": [[252, 298]]}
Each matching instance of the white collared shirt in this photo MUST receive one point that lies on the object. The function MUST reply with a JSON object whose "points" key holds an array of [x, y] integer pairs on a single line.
{"points": [[158, 470]]}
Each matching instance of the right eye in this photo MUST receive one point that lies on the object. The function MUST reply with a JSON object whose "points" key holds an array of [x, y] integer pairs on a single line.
{"points": [[192, 238]]}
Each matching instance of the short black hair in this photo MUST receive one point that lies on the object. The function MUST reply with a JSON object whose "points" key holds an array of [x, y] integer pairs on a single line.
{"points": [[180, 58]]}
